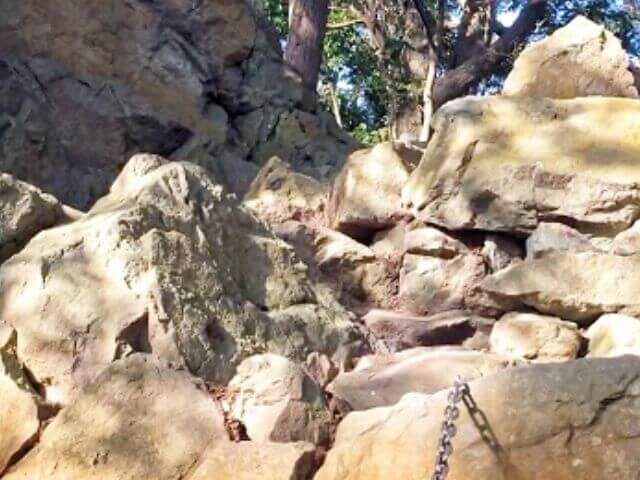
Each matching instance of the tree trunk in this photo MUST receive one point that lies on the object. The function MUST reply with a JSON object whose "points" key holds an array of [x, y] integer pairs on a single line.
{"points": [[307, 28], [473, 30], [458, 81]]}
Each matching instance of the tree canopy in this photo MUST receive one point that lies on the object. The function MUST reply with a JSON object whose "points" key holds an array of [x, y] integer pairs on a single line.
{"points": [[377, 52]]}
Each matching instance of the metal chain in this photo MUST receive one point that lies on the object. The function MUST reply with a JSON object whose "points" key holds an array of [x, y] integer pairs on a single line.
{"points": [[451, 414]]}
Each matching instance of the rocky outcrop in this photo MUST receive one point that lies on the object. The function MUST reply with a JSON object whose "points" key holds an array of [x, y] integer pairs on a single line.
{"points": [[166, 263], [613, 335], [507, 164], [574, 286], [277, 401], [580, 59], [384, 379], [541, 338], [627, 242], [24, 211], [365, 196], [86, 84], [546, 422], [138, 420], [279, 194]]}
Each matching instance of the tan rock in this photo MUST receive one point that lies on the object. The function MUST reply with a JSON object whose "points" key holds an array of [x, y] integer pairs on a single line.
{"points": [[549, 237], [256, 461], [627, 242], [574, 286], [166, 263], [613, 335], [576, 420], [529, 336], [432, 242], [500, 251], [320, 368], [580, 59], [431, 285], [399, 331], [279, 193], [390, 242], [365, 196], [507, 164], [385, 379], [24, 211], [277, 401], [138, 420], [19, 422]]}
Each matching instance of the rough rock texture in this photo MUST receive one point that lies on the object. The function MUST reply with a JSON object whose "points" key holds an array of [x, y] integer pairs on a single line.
{"points": [[500, 251], [138, 420], [430, 241], [580, 59], [19, 421], [256, 461], [277, 401], [627, 242], [361, 277], [390, 242], [399, 331], [535, 337], [24, 211], [165, 263], [506, 164], [549, 237], [576, 420], [384, 379], [365, 196], [613, 335], [84, 84], [574, 286], [278, 193]]}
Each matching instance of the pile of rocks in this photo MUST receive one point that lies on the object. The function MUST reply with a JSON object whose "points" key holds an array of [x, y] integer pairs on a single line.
{"points": [[311, 329]]}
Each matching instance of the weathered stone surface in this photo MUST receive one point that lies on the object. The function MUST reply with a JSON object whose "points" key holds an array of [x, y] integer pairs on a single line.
{"points": [[627, 242], [383, 379], [165, 263], [86, 84], [431, 285], [365, 196], [613, 335], [576, 420], [580, 59], [277, 401], [278, 193], [390, 242], [530, 336], [19, 422], [549, 237], [432, 242], [399, 331], [138, 420], [574, 286], [256, 461], [24, 211], [362, 277], [507, 164]]}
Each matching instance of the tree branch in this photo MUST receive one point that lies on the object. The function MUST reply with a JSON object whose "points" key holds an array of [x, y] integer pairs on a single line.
{"points": [[346, 23], [458, 81], [428, 22]]}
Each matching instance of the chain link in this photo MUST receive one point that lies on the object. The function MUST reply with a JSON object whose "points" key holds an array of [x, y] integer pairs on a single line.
{"points": [[451, 414]]}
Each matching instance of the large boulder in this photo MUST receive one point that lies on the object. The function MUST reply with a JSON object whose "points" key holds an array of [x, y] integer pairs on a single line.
{"points": [[138, 420], [574, 286], [549, 237], [580, 59], [84, 84], [529, 336], [277, 401], [24, 211], [627, 242], [382, 380], [507, 164], [365, 196], [166, 263], [576, 420]]}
